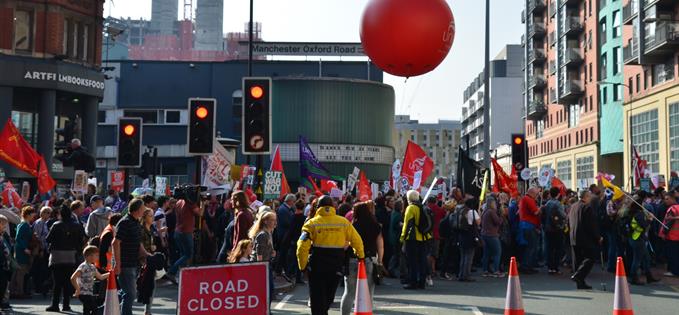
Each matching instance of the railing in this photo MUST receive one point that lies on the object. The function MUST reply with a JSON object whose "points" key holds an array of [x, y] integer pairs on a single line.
{"points": [[572, 25], [536, 109], [536, 5], [537, 54], [571, 87], [536, 81], [572, 55], [630, 10], [630, 52], [552, 8], [665, 33], [552, 67], [536, 29]]}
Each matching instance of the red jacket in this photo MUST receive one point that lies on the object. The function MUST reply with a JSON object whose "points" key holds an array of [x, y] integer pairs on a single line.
{"points": [[528, 210], [673, 233]]}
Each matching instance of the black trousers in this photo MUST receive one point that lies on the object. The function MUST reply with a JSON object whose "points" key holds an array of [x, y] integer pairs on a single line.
{"points": [[583, 261], [5, 276], [61, 275], [322, 287], [90, 304], [554, 249]]}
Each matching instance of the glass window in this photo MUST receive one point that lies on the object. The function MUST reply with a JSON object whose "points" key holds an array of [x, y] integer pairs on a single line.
{"points": [[604, 92], [573, 115], [645, 138], [602, 30], [617, 25], [76, 42], [638, 82], [617, 92], [101, 116], [23, 30], [539, 128], [617, 58], [147, 116], [674, 137], [563, 172], [85, 42], [604, 65], [584, 171], [172, 116], [26, 124]]}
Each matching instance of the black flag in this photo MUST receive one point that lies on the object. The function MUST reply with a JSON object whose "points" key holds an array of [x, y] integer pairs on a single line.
{"points": [[469, 174]]}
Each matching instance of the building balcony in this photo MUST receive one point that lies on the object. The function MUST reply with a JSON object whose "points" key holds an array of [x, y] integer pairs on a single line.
{"points": [[551, 38], [569, 3], [536, 6], [630, 11], [552, 67], [536, 30], [536, 56], [665, 41], [571, 91], [536, 109], [552, 8], [552, 96], [603, 73], [630, 53], [572, 26], [572, 57], [536, 82], [523, 40]]}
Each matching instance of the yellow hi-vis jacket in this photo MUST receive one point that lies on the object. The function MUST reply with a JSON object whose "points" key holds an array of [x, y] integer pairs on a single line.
{"points": [[327, 232]]}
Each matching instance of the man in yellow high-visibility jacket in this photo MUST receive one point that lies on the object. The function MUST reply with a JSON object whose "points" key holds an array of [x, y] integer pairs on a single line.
{"points": [[321, 250], [414, 242]]}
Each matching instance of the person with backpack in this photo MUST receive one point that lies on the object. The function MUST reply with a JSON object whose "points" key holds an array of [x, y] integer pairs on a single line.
{"points": [[555, 222], [434, 244], [450, 254], [636, 225], [469, 238], [414, 235]]}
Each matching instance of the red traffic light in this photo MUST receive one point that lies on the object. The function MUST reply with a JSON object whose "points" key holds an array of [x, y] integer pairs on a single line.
{"points": [[256, 92], [201, 112], [129, 130], [518, 140]]}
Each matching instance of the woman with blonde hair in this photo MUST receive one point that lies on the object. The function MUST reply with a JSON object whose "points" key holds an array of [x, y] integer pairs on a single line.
{"points": [[241, 253], [263, 250]]}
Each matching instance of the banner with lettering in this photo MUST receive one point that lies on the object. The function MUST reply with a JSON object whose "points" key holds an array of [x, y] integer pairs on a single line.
{"points": [[117, 180], [161, 185], [273, 182], [217, 167]]}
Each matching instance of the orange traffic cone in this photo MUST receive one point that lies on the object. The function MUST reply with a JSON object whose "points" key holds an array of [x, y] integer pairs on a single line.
{"points": [[111, 305], [514, 302], [364, 305], [622, 303]]}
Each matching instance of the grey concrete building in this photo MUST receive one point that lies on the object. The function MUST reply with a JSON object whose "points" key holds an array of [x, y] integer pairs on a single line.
{"points": [[209, 25], [440, 140], [163, 16], [506, 78]]}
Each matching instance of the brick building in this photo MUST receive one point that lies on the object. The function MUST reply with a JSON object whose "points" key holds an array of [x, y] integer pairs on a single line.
{"points": [[50, 52], [561, 91], [651, 75]]}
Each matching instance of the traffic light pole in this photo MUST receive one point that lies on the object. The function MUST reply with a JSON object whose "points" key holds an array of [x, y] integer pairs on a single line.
{"points": [[126, 185]]}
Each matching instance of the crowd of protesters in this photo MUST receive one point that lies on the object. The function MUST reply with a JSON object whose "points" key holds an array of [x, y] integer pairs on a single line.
{"points": [[69, 246]]}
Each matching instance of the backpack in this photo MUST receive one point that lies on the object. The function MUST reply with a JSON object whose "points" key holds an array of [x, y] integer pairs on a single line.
{"points": [[458, 220], [445, 227], [426, 224], [555, 222]]}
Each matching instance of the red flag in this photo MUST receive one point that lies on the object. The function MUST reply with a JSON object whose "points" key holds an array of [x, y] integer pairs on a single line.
{"points": [[556, 182], [16, 151], [317, 191], [416, 160], [327, 185], [639, 167], [364, 191], [504, 182], [45, 181], [277, 165]]}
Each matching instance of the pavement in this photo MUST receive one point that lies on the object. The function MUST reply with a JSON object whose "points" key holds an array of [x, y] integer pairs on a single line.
{"points": [[542, 294]]}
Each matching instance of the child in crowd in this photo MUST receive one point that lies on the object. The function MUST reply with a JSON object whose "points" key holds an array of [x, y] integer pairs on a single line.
{"points": [[241, 253], [83, 280]]}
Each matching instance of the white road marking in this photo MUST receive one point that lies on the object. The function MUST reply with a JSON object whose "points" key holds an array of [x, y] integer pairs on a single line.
{"points": [[475, 310], [280, 305]]}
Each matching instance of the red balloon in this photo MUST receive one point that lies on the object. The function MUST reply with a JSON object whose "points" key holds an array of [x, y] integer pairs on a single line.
{"points": [[407, 37]]}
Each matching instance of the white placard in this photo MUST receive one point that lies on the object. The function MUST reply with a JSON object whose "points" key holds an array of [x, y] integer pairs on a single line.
{"points": [[161, 185], [80, 181]]}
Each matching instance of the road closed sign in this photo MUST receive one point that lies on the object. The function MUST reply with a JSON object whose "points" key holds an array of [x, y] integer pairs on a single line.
{"points": [[224, 289]]}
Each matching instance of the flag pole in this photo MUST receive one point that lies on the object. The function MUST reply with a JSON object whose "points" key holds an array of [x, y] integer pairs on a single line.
{"points": [[645, 210]]}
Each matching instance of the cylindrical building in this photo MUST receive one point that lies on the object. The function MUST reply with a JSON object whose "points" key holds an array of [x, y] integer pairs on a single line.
{"points": [[347, 123]]}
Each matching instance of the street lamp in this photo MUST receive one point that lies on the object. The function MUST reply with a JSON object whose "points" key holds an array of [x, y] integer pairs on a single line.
{"points": [[629, 127]]}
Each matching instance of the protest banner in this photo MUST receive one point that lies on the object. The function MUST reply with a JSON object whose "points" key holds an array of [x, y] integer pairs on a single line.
{"points": [[352, 179], [273, 182], [80, 181], [336, 193], [545, 177], [375, 189], [117, 180], [217, 167], [25, 191], [224, 289], [161, 185], [645, 184]]}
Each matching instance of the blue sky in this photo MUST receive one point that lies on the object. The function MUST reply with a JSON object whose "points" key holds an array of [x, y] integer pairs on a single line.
{"points": [[436, 95]]}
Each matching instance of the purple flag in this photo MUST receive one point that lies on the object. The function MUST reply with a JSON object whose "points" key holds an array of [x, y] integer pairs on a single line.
{"points": [[309, 165]]}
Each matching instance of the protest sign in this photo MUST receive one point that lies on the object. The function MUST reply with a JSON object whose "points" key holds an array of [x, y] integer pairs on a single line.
{"points": [[117, 181], [272, 184], [545, 177], [80, 181], [645, 184], [353, 178], [526, 174], [25, 191], [220, 289], [375, 189], [336, 193], [217, 167], [161, 185]]}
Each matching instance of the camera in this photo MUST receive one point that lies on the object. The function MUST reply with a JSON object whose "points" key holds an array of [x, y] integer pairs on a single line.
{"points": [[191, 193]]}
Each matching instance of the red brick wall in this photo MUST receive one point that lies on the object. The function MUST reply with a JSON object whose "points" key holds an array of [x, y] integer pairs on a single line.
{"points": [[6, 27]]}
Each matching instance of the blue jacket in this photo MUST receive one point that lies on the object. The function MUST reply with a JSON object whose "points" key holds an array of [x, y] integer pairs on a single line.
{"points": [[23, 237], [284, 216]]}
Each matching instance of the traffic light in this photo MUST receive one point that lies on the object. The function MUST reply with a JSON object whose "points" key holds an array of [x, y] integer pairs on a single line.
{"points": [[256, 135], [201, 129], [519, 151], [129, 142]]}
